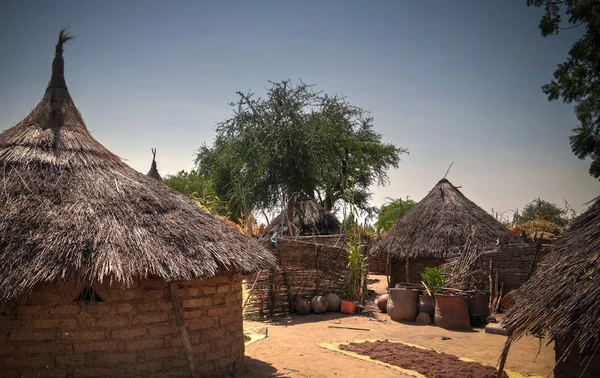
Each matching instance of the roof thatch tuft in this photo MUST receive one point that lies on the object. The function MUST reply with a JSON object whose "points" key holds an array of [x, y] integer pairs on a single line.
{"points": [[308, 218], [71, 209], [442, 225], [562, 299], [153, 172]]}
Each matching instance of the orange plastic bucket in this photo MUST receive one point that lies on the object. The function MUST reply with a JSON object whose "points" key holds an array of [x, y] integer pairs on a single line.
{"points": [[348, 307]]}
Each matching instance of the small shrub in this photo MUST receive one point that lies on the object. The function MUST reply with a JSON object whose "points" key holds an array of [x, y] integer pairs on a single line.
{"points": [[434, 279]]}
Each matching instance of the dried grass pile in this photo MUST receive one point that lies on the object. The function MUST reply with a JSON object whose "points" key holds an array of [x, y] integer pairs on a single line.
{"points": [[562, 299], [71, 209]]}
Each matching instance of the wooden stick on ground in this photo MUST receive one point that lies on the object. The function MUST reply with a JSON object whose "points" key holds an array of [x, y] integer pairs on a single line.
{"points": [[183, 332], [358, 329]]}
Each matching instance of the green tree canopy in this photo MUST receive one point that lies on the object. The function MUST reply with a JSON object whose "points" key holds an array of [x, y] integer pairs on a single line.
{"points": [[390, 212], [577, 80], [198, 188], [539, 209], [296, 140]]}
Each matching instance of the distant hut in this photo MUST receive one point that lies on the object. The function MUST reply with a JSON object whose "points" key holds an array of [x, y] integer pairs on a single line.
{"points": [[442, 225], [307, 219], [562, 299], [153, 172], [105, 271]]}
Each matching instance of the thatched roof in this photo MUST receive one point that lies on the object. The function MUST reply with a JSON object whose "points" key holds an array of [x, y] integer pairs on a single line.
{"points": [[444, 224], [562, 299], [308, 218], [153, 172], [71, 209]]}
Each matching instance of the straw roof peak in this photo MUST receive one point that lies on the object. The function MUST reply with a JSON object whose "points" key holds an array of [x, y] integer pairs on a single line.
{"points": [[71, 209], [442, 225], [153, 172]]}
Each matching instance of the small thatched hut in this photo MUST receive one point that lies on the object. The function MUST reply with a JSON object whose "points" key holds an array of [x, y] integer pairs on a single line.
{"points": [[105, 271], [442, 225], [562, 299], [307, 218]]}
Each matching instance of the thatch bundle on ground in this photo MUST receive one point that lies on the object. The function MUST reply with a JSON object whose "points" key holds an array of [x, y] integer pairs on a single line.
{"points": [[303, 217], [562, 299], [442, 225], [100, 264]]}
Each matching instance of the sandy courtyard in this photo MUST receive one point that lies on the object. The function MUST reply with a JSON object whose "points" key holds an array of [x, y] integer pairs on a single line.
{"points": [[291, 348]]}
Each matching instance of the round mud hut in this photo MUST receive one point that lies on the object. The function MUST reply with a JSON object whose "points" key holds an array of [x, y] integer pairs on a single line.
{"points": [[442, 225], [104, 271], [562, 299]]}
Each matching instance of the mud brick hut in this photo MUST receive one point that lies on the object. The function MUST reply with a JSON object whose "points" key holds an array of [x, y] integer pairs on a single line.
{"points": [[104, 271], [562, 299], [442, 225]]}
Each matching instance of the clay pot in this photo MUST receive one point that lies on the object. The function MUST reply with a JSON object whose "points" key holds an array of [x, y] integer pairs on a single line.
{"points": [[333, 302], [479, 308], [302, 305], [381, 302], [423, 318], [319, 304], [451, 312], [426, 304], [402, 304]]}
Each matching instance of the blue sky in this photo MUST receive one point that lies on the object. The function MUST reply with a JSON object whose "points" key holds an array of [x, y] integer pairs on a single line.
{"points": [[451, 81]]}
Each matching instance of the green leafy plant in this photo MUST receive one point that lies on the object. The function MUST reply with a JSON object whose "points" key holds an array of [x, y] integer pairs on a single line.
{"points": [[434, 279], [357, 269]]}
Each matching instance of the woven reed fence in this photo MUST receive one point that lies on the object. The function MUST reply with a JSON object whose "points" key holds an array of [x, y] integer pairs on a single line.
{"points": [[303, 268], [513, 263]]}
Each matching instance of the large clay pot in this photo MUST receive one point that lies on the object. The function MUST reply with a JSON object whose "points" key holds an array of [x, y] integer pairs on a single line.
{"points": [[425, 304], [402, 304], [381, 302], [479, 304], [451, 312], [319, 304], [333, 302], [302, 305]]}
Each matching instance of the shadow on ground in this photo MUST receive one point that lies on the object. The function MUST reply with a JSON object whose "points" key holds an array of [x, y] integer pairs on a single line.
{"points": [[254, 368]]}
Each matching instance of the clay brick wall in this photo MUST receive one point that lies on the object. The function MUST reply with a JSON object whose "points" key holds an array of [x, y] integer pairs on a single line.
{"points": [[130, 333], [377, 264], [415, 268]]}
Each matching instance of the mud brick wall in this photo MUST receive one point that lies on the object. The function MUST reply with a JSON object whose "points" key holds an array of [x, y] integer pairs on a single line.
{"points": [[415, 268], [377, 264], [130, 333]]}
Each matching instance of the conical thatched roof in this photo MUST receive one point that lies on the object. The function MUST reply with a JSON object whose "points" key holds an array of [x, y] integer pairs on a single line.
{"points": [[71, 209], [562, 299], [153, 172], [442, 225], [308, 218]]}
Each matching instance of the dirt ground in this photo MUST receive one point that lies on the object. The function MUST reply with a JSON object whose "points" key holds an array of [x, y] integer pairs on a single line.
{"points": [[291, 348]]}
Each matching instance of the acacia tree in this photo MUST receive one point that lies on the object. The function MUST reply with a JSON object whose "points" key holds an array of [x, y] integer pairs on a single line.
{"points": [[391, 211], [577, 80], [296, 141], [543, 214]]}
